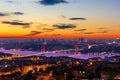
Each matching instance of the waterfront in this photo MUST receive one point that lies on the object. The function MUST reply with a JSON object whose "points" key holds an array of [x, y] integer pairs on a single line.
{"points": [[58, 66]]}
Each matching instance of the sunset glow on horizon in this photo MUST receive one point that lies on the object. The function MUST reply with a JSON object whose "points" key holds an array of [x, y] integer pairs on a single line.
{"points": [[97, 19]]}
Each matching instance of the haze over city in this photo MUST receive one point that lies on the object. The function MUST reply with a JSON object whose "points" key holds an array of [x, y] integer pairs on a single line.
{"points": [[95, 19]]}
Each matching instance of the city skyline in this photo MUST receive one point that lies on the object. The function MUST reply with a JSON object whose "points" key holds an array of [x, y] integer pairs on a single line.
{"points": [[60, 19]]}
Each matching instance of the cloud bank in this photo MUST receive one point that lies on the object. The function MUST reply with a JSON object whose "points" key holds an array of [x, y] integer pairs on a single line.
{"points": [[17, 23], [77, 19], [64, 26], [51, 2], [33, 33]]}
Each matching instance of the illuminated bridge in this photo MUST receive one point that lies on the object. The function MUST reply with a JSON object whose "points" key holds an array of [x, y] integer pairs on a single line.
{"points": [[18, 53]]}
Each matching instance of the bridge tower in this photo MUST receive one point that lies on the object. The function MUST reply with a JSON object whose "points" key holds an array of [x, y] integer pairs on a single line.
{"points": [[76, 48], [43, 48]]}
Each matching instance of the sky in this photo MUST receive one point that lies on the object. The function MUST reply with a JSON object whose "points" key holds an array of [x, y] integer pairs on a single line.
{"points": [[96, 19]]}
